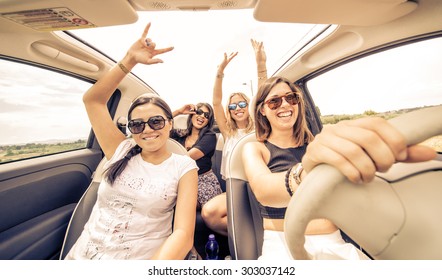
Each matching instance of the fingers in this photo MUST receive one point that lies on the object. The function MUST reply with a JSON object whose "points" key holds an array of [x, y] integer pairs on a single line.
{"points": [[344, 151], [155, 61], [359, 148], [191, 108], [389, 135], [256, 45], [232, 55], [152, 45], [149, 43], [320, 154], [188, 109], [146, 30], [227, 59], [419, 153], [147, 51], [164, 50]]}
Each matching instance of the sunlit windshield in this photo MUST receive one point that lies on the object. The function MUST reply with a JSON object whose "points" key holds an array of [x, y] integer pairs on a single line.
{"points": [[200, 40]]}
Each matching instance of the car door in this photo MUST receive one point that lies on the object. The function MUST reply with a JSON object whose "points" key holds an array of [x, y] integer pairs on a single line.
{"points": [[48, 155]]}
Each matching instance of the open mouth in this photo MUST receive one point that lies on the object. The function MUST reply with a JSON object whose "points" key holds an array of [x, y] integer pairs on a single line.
{"points": [[150, 137], [286, 114], [200, 121]]}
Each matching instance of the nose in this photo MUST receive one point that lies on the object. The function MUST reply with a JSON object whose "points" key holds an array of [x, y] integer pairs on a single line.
{"points": [[147, 128]]}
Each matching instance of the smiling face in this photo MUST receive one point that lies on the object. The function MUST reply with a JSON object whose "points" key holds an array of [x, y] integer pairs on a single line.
{"points": [[283, 117], [239, 114], [201, 118], [150, 139]]}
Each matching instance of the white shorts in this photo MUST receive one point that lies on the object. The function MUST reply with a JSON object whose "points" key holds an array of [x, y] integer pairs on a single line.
{"points": [[321, 247]]}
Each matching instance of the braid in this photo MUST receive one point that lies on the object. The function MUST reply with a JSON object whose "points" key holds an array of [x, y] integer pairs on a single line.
{"points": [[117, 167]]}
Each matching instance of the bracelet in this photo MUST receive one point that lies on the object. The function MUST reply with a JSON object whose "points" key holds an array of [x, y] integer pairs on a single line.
{"points": [[123, 68], [287, 182], [291, 182], [297, 173], [261, 78], [220, 75]]}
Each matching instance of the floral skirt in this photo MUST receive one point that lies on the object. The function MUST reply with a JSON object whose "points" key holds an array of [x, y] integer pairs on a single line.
{"points": [[208, 187]]}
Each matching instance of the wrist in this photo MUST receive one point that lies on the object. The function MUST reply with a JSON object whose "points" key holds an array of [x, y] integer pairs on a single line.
{"points": [[219, 75], [297, 173], [261, 64], [129, 61], [126, 64], [123, 68]]}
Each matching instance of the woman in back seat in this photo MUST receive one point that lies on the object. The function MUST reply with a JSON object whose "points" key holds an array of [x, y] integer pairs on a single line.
{"points": [[200, 143], [234, 122]]}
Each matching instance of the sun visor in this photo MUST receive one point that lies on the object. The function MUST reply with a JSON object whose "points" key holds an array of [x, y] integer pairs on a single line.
{"points": [[68, 14], [340, 12]]}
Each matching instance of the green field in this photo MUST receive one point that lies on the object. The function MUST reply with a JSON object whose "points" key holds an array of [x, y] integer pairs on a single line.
{"points": [[16, 152], [10, 153]]}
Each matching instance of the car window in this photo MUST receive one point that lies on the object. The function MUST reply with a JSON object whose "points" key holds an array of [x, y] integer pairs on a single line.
{"points": [[384, 84], [41, 112]]}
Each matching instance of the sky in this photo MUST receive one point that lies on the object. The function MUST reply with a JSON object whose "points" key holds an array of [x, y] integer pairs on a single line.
{"points": [[186, 76], [200, 40], [188, 72]]}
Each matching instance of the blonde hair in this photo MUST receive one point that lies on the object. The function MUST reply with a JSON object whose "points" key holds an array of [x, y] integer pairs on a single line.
{"points": [[232, 127]]}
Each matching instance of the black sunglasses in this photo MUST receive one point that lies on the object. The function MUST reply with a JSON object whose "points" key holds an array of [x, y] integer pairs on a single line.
{"points": [[241, 104], [201, 112], [291, 98], [137, 126]]}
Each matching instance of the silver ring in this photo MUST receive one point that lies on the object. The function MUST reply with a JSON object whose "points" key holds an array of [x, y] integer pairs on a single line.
{"points": [[147, 42]]}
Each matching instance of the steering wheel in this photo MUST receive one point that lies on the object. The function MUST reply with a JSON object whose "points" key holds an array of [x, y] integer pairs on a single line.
{"points": [[396, 216]]}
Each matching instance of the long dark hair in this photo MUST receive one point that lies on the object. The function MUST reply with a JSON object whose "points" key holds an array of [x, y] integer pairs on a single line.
{"points": [[117, 167], [205, 129], [263, 128]]}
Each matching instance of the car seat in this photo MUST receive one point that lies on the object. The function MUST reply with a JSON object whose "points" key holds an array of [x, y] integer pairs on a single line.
{"points": [[217, 158], [244, 221], [84, 206]]}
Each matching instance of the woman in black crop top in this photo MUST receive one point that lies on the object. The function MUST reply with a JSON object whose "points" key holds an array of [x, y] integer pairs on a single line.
{"points": [[200, 142], [274, 170]]}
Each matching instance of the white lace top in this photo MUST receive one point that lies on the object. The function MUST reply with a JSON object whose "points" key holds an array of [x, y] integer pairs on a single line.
{"points": [[133, 217], [229, 143]]}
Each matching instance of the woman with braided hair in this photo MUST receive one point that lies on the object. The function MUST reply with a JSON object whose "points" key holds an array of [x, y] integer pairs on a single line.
{"points": [[146, 187]]}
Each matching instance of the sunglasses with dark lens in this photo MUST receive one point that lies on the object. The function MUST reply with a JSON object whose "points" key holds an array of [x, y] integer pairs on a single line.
{"points": [[201, 112], [291, 98], [138, 126], [241, 104]]}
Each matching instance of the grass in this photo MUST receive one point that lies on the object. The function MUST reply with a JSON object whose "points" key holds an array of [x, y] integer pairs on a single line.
{"points": [[10, 153]]}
